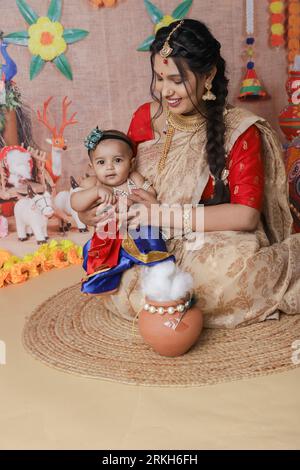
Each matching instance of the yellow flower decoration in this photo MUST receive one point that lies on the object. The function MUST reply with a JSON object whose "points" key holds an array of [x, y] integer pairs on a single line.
{"points": [[166, 21], [160, 20], [46, 38], [277, 28]]}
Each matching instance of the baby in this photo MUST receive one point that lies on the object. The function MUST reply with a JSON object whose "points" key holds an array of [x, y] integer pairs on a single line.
{"points": [[112, 156]]}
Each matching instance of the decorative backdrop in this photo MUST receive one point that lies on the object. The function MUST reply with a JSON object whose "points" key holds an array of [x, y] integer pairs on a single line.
{"points": [[111, 78]]}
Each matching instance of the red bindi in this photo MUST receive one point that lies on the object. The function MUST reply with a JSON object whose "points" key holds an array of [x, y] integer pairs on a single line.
{"points": [[162, 74], [165, 61]]}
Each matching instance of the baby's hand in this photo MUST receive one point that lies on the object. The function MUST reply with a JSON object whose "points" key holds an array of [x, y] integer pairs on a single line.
{"points": [[106, 196]]}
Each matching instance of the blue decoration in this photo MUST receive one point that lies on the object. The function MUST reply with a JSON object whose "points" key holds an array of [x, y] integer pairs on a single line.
{"points": [[10, 67]]}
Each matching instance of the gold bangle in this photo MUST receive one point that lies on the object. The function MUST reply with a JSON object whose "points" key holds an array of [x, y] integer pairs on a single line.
{"points": [[187, 219]]}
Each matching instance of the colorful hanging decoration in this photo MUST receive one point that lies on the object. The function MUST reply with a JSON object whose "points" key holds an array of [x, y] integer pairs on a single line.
{"points": [[55, 254], [160, 20], [289, 118], [289, 121], [293, 42], [46, 38], [251, 87], [103, 3], [277, 21]]}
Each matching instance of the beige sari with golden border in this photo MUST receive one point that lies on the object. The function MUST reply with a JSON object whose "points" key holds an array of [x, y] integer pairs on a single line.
{"points": [[239, 277]]}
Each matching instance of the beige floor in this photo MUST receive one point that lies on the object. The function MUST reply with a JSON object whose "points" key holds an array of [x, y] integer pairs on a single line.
{"points": [[41, 408]]}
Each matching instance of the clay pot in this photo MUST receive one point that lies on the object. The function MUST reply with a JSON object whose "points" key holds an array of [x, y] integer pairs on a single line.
{"points": [[170, 334]]}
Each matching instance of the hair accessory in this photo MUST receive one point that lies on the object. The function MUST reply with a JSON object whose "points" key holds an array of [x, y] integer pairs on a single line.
{"points": [[93, 139], [167, 49]]}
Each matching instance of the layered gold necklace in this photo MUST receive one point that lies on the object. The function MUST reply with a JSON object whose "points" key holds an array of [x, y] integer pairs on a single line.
{"points": [[190, 124]]}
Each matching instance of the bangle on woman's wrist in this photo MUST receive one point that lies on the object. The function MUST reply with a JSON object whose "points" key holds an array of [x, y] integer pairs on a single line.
{"points": [[187, 219]]}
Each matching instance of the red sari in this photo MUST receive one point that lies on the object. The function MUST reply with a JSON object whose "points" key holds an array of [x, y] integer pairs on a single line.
{"points": [[246, 171]]}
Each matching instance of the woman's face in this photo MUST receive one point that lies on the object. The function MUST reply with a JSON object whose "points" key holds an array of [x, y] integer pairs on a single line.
{"points": [[180, 96]]}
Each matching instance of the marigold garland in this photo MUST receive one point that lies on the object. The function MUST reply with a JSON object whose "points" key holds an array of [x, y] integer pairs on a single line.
{"points": [[277, 20], [293, 30], [55, 254]]}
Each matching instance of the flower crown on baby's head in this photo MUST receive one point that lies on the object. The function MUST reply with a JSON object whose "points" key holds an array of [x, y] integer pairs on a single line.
{"points": [[97, 135]]}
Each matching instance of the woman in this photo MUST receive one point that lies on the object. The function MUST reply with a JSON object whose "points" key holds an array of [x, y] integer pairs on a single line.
{"points": [[195, 148]]}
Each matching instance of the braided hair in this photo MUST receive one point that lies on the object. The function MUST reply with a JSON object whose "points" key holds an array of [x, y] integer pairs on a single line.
{"points": [[195, 47]]}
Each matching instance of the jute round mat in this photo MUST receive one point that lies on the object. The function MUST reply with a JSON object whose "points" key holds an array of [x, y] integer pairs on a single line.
{"points": [[76, 334]]}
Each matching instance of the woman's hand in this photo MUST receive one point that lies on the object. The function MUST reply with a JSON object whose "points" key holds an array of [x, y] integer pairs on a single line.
{"points": [[95, 215], [144, 211], [141, 196]]}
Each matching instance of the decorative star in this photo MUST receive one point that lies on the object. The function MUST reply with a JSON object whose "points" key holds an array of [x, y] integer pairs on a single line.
{"points": [[160, 20], [46, 38]]}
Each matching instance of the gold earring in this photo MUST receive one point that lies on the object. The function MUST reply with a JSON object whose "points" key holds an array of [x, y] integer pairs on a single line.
{"points": [[208, 96]]}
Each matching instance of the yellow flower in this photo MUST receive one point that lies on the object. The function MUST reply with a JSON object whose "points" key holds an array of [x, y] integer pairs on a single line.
{"points": [[45, 39], [277, 28], [166, 21], [276, 7], [4, 256]]}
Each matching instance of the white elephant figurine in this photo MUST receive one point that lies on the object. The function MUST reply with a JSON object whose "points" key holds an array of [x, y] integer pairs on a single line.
{"points": [[62, 202], [32, 214]]}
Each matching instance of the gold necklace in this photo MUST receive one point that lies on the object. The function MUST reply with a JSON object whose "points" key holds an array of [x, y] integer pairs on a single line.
{"points": [[191, 123], [181, 123], [169, 135]]}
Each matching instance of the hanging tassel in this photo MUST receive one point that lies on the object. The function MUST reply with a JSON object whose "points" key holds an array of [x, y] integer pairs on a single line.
{"points": [[251, 87]]}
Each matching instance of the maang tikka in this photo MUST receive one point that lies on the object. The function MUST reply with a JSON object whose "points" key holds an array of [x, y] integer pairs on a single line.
{"points": [[167, 49]]}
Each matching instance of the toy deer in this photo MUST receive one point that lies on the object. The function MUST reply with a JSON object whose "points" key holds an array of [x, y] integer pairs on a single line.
{"points": [[58, 142]]}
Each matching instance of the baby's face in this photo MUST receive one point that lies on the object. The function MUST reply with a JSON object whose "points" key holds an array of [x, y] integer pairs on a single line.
{"points": [[112, 162]]}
